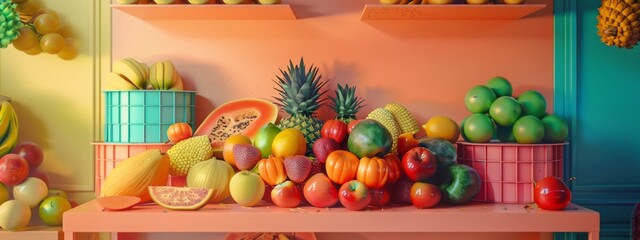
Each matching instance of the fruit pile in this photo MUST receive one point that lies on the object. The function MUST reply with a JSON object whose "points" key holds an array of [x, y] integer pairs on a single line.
{"points": [[34, 30], [239, 151], [129, 74], [496, 114], [199, 1]]}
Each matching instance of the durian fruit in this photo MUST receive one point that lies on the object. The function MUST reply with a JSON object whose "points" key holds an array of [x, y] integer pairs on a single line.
{"points": [[385, 117], [187, 153], [9, 23], [618, 23], [405, 120]]}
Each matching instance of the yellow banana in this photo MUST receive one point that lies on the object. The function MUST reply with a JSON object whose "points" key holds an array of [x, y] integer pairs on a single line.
{"points": [[178, 85], [143, 71], [153, 78], [5, 118], [169, 74], [160, 75], [130, 72], [118, 82], [11, 137]]}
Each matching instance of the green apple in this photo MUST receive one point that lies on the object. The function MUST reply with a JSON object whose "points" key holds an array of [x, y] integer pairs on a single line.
{"points": [[246, 188], [533, 103], [31, 191], [269, 1], [51, 210]]}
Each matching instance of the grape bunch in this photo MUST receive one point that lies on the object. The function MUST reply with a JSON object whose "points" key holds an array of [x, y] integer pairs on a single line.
{"points": [[42, 32]]}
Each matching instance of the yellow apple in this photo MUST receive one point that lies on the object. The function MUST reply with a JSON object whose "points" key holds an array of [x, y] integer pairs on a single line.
{"points": [[246, 188]]}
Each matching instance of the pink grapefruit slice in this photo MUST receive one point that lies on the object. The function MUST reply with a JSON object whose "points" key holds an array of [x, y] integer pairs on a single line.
{"points": [[180, 198]]}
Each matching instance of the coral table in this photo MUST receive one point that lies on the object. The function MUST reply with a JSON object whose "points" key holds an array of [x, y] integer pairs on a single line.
{"points": [[472, 218]]}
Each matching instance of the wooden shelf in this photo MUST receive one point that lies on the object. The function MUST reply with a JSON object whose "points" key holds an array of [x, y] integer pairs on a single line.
{"points": [[474, 217], [37, 231], [207, 11], [449, 11]]}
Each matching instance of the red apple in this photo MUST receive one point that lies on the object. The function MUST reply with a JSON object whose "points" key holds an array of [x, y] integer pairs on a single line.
{"points": [[267, 193], [551, 193], [31, 152], [13, 169], [320, 192], [41, 175], [425, 195], [419, 164], [354, 195], [286, 195], [380, 197]]}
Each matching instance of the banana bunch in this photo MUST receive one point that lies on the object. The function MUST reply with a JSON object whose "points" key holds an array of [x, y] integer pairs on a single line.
{"points": [[618, 23], [9, 23], [164, 76], [8, 128], [128, 74]]}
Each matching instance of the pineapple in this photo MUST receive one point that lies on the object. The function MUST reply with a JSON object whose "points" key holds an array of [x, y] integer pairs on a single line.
{"points": [[301, 96], [346, 104]]}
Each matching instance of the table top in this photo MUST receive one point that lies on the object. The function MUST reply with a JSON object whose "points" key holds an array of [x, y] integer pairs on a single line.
{"points": [[474, 217]]}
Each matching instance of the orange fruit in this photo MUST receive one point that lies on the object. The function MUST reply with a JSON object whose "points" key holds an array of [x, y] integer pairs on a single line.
{"points": [[289, 142], [442, 127], [227, 149]]}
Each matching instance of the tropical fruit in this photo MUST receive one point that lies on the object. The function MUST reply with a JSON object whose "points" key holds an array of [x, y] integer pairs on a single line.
{"points": [[556, 129], [479, 128], [385, 117], [533, 103], [132, 176], [10, 22], [403, 117], [442, 127], [289, 142], [500, 86], [227, 149], [301, 95], [505, 111], [346, 105], [369, 138], [164, 76], [242, 116], [187, 153], [479, 98], [528, 129], [246, 156], [212, 174], [180, 198], [131, 70], [265, 137], [618, 23], [297, 168]]}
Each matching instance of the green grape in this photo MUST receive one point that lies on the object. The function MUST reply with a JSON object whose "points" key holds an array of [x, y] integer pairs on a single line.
{"points": [[52, 43], [69, 52], [27, 38], [47, 23]]}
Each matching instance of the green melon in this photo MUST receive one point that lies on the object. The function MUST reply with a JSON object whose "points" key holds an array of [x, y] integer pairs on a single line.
{"points": [[369, 138]]}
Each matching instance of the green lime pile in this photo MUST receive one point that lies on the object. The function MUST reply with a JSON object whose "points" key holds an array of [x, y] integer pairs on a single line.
{"points": [[496, 114]]}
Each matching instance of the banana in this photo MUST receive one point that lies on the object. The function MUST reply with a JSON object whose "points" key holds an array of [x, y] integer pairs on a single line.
{"points": [[145, 70], [130, 72], [160, 75], [178, 85], [118, 82], [11, 138], [153, 78], [169, 74], [5, 118], [141, 69]]}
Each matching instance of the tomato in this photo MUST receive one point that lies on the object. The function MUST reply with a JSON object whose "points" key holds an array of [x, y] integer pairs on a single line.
{"points": [[51, 210], [551, 193], [335, 129], [425, 195], [352, 124], [373, 172], [341, 166], [179, 131], [13, 169]]}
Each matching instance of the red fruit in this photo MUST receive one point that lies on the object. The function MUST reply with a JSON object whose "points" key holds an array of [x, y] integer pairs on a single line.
{"points": [[425, 195], [334, 129], [179, 131], [316, 167], [297, 167], [320, 192], [41, 175], [267, 193], [286, 195], [352, 124], [323, 147], [401, 191], [354, 195], [551, 193], [419, 164], [380, 197], [246, 156], [13, 169], [31, 152]]}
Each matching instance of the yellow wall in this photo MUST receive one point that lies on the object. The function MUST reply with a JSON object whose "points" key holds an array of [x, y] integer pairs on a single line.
{"points": [[56, 100]]}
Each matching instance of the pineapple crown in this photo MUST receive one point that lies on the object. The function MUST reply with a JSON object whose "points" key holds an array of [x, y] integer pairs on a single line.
{"points": [[9, 23], [346, 104], [300, 89]]}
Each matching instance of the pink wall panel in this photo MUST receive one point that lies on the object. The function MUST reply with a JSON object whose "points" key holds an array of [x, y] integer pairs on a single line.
{"points": [[426, 65]]}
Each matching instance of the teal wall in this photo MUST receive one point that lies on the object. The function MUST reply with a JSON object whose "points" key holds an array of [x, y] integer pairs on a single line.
{"points": [[597, 89]]}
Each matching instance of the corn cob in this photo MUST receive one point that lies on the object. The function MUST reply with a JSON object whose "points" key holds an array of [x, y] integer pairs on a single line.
{"points": [[385, 117], [405, 120]]}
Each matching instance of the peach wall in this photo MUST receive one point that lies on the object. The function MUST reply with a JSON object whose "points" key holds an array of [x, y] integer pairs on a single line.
{"points": [[426, 65]]}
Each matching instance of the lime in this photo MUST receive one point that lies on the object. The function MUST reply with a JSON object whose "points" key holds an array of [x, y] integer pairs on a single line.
{"points": [[533, 103], [505, 134], [462, 128], [479, 99], [556, 129], [500, 86], [528, 129], [479, 128], [505, 111], [51, 210]]}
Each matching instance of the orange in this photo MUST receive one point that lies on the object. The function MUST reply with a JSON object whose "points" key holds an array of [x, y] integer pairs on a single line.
{"points": [[289, 142], [227, 149], [442, 127]]}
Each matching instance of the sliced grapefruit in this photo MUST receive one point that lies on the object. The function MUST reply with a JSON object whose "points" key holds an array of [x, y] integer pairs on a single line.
{"points": [[180, 198]]}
